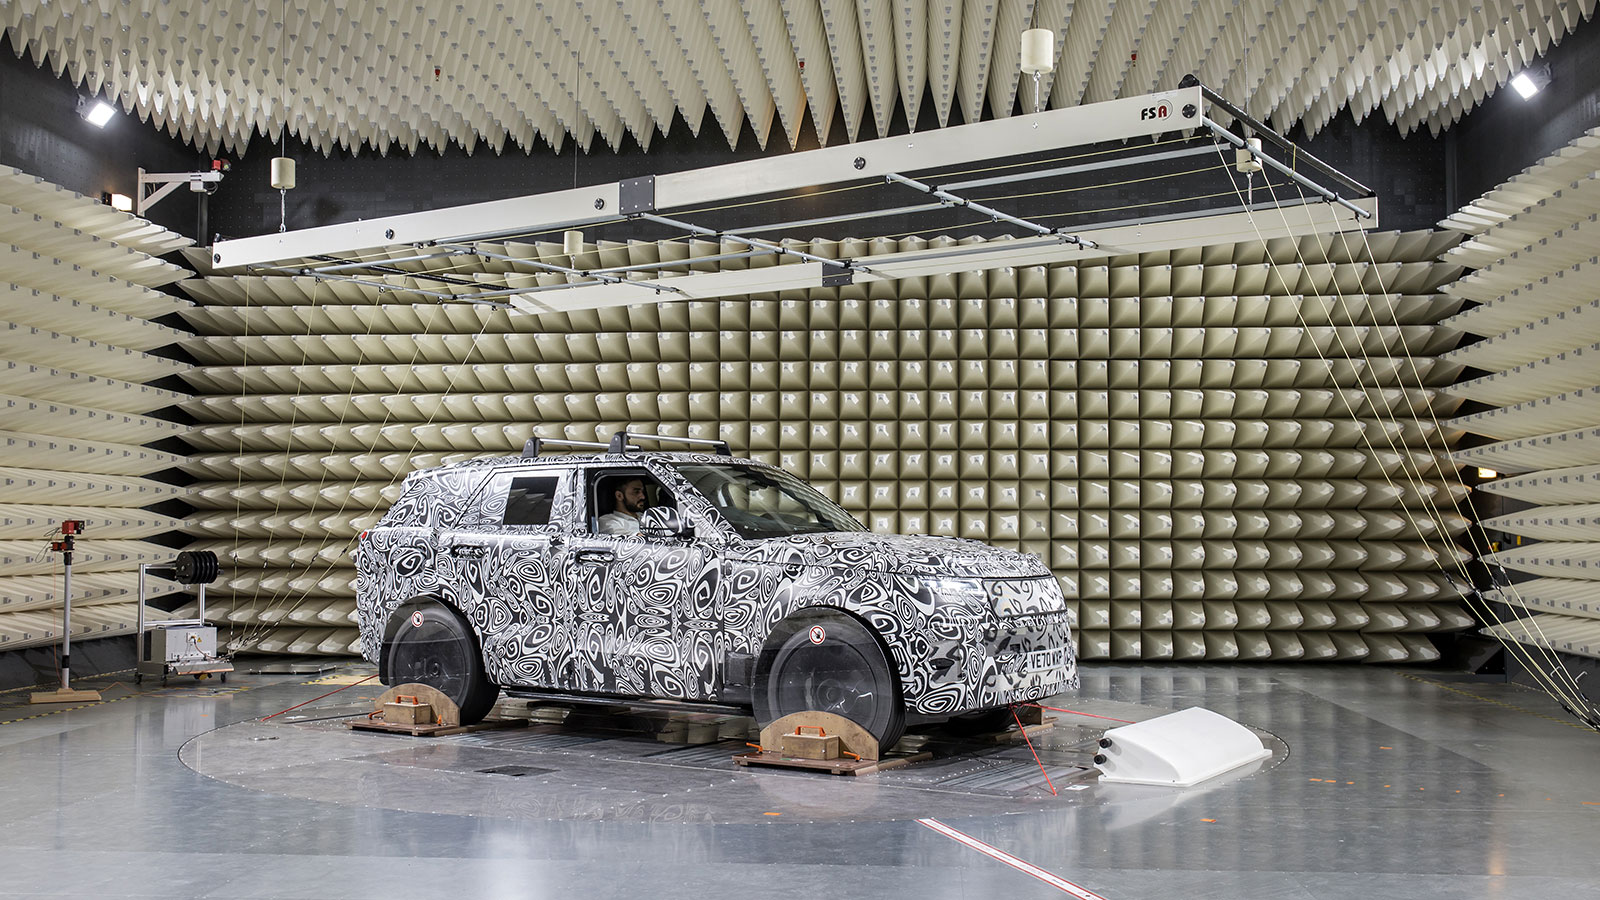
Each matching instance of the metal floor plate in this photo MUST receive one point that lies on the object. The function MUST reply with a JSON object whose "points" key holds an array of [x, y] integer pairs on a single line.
{"points": [[613, 768]]}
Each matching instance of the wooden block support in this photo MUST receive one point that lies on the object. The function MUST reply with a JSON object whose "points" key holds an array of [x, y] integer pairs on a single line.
{"points": [[67, 696], [809, 746], [444, 710], [408, 711], [852, 737], [1029, 714]]}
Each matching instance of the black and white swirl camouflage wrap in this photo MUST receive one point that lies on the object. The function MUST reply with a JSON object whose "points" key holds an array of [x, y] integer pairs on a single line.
{"points": [[557, 607]]}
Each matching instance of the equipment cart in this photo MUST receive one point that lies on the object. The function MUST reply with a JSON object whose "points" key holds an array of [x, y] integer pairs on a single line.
{"points": [[170, 647]]}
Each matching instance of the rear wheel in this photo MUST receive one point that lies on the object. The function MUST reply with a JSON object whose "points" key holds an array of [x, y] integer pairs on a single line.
{"points": [[436, 647], [834, 664]]}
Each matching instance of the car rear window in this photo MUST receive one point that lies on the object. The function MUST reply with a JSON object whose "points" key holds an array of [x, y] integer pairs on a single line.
{"points": [[528, 500]]}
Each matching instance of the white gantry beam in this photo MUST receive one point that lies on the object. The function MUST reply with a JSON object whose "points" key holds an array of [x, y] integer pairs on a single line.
{"points": [[1050, 130]]}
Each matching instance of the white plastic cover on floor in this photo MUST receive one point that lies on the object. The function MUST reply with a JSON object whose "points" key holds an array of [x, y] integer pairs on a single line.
{"points": [[1177, 750], [1228, 452], [77, 291], [1531, 242]]}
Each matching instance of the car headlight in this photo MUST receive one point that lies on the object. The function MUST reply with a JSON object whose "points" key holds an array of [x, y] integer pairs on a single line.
{"points": [[963, 590]]}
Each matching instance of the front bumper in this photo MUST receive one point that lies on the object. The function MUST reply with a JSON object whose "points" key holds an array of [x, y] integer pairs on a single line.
{"points": [[991, 662]]}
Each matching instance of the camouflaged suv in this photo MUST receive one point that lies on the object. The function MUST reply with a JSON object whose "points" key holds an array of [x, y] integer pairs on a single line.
{"points": [[695, 576]]}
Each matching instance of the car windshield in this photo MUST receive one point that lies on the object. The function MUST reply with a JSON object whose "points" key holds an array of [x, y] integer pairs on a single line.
{"points": [[767, 503]]}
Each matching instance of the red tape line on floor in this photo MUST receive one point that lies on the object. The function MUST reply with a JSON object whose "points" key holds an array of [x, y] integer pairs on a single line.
{"points": [[1024, 729], [315, 699], [1055, 881]]}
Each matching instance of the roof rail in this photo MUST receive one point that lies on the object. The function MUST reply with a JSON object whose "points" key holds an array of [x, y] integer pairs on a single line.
{"points": [[536, 444], [619, 442]]}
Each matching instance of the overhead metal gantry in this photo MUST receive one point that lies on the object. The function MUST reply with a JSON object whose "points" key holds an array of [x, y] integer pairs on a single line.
{"points": [[373, 252]]}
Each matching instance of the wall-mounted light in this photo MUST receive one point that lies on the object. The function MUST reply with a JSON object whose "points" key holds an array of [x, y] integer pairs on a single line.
{"points": [[1531, 80], [95, 111], [119, 202], [1486, 474]]}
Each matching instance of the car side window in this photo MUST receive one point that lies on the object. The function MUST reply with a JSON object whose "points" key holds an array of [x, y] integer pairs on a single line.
{"points": [[528, 500], [514, 498], [634, 489]]}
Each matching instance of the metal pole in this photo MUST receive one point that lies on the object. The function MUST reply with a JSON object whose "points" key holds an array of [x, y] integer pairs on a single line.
{"points": [[753, 242], [139, 644], [1242, 144], [949, 199], [66, 615]]}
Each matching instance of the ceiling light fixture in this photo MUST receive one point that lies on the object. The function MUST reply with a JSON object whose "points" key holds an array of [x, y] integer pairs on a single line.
{"points": [[119, 202], [1531, 81], [95, 111]]}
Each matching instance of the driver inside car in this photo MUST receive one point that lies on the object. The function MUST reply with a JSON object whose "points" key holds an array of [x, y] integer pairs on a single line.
{"points": [[629, 501]]}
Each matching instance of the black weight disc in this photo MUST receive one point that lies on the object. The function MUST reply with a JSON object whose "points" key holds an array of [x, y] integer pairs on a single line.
{"points": [[196, 567]]}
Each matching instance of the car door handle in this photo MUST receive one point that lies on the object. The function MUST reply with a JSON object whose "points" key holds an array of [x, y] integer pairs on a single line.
{"points": [[594, 556], [468, 549]]}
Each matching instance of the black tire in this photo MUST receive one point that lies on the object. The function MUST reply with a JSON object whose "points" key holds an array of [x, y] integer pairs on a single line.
{"points": [[436, 647], [847, 673], [984, 721]]}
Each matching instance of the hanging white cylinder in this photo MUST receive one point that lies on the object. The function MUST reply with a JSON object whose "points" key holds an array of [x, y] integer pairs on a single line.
{"points": [[1038, 51], [572, 243], [283, 173]]}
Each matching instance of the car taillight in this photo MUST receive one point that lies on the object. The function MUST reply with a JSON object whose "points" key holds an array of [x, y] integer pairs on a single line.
{"points": [[363, 535]]}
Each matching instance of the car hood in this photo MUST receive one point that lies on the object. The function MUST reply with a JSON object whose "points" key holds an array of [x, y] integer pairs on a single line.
{"points": [[919, 555]]}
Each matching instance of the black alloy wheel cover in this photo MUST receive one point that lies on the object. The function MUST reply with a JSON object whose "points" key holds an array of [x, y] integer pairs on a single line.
{"points": [[847, 673], [433, 646]]}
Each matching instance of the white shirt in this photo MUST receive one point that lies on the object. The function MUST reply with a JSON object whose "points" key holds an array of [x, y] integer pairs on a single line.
{"points": [[618, 522]]}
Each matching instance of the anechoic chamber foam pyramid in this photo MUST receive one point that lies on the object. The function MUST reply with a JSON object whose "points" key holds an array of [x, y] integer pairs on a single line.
{"points": [[1532, 242], [1211, 449], [77, 298]]}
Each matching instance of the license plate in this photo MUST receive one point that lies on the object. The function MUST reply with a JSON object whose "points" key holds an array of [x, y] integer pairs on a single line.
{"points": [[1048, 658]]}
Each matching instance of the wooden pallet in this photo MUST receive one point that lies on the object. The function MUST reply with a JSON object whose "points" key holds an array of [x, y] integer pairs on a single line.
{"points": [[365, 724], [840, 766]]}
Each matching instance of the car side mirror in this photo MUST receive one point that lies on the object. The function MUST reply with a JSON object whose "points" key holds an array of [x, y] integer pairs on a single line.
{"points": [[663, 522]]}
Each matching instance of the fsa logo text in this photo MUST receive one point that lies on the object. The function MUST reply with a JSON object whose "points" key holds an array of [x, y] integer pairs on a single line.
{"points": [[1157, 112]]}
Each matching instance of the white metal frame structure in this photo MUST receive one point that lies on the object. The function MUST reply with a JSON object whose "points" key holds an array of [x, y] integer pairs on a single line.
{"points": [[358, 251], [202, 182]]}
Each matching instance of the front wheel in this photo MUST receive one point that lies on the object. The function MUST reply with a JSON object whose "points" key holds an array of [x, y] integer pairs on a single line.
{"points": [[830, 663], [436, 647]]}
